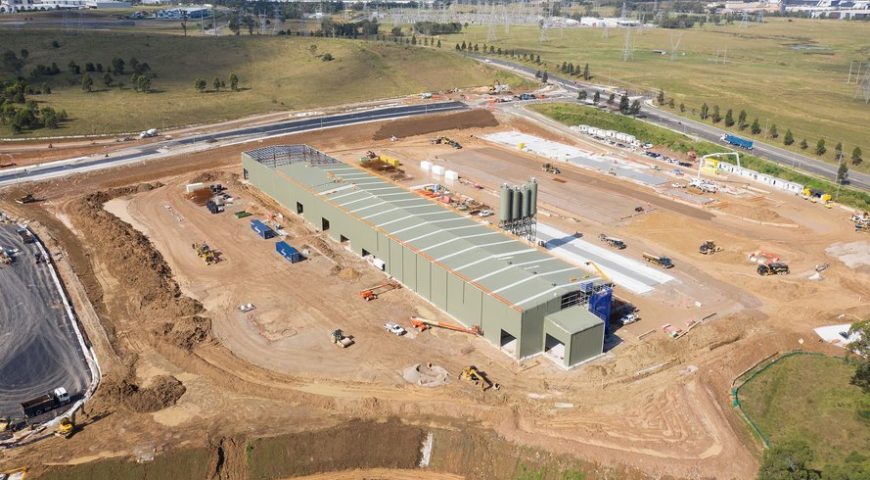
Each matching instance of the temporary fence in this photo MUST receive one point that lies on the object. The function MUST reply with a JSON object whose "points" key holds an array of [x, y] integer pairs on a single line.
{"points": [[747, 376]]}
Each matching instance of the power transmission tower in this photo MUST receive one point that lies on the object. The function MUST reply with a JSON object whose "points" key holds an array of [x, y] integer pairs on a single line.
{"points": [[676, 37], [744, 19], [628, 49], [490, 25], [864, 86]]}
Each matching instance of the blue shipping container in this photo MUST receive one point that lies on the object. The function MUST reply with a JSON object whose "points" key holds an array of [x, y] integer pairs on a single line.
{"points": [[288, 252], [262, 229], [601, 304]]}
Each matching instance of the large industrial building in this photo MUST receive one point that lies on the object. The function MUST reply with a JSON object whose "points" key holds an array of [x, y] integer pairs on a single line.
{"points": [[524, 300]]}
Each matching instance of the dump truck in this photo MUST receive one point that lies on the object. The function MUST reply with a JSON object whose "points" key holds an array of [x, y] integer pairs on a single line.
{"points": [[773, 268], [659, 260], [737, 141], [709, 247], [612, 241], [338, 338], [46, 403]]}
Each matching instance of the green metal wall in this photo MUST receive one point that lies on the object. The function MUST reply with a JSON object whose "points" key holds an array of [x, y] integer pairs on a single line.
{"points": [[585, 345], [447, 291]]}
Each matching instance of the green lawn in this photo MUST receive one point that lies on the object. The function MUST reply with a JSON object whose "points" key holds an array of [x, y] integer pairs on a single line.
{"points": [[808, 397], [766, 73], [276, 73]]}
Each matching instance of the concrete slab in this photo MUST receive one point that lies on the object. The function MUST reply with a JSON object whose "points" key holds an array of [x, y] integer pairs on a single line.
{"points": [[627, 273], [636, 172], [39, 350]]}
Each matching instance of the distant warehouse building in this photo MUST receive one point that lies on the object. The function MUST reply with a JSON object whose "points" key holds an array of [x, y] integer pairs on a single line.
{"points": [[525, 301]]}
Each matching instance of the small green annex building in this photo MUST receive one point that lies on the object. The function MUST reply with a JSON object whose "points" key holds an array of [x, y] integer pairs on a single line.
{"points": [[524, 300]]}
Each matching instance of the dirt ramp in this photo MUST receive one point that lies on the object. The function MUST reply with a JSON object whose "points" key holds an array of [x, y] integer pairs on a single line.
{"points": [[428, 124]]}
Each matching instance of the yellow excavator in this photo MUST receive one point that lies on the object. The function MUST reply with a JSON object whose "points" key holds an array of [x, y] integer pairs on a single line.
{"points": [[206, 253], [66, 427], [472, 375]]}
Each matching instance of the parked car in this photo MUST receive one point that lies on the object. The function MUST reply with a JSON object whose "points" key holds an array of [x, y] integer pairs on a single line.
{"points": [[395, 329]]}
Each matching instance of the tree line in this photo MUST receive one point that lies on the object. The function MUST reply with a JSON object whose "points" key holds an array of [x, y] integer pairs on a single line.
{"points": [[21, 113], [217, 84], [714, 114]]}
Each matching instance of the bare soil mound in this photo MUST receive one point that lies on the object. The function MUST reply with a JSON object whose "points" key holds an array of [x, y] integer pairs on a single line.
{"points": [[139, 266], [163, 392], [419, 126]]}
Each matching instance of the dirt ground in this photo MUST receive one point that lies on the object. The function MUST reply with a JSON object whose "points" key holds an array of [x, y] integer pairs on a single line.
{"points": [[655, 404]]}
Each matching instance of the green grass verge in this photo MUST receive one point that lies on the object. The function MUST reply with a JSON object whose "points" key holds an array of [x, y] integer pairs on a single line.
{"points": [[187, 463], [277, 73], [809, 398], [576, 114], [788, 72]]}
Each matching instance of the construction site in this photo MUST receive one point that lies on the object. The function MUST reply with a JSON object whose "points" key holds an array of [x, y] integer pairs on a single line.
{"points": [[392, 300]]}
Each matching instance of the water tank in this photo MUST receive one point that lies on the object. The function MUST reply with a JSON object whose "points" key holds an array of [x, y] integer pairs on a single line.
{"points": [[533, 197], [426, 165], [437, 170], [504, 205], [524, 208], [516, 204], [451, 175]]}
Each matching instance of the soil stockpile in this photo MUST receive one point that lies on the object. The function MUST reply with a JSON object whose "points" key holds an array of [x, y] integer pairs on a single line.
{"points": [[130, 256], [163, 392], [428, 124]]}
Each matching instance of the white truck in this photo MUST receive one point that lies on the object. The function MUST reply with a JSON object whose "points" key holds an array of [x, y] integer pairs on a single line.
{"points": [[151, 132]]}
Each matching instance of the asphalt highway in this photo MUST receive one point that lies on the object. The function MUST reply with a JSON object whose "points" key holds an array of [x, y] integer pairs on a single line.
{"points": [[700, 130], [131, 155]]}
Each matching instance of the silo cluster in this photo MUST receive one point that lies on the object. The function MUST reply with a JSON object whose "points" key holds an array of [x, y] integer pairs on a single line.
{"points": [[518, 203]]}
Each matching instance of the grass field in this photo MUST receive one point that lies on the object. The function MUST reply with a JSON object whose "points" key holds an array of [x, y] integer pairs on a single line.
{"points": [[276, 73], [577, 114], [808, 397], [770, 72]]}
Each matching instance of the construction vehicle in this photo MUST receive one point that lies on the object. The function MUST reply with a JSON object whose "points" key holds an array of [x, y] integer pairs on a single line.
{"points": [[659, 260], [709, 247], [29, 198], [45, 403], [702, 186], [340, 339], [206, 253], [773, 268], [612, 241], [472, 375], [5, 258], [151, 132], [550, 168], [763, 257], [372, 293], [447, 141], [422, 325], [737, 141], [66, 427], [816, 196]]}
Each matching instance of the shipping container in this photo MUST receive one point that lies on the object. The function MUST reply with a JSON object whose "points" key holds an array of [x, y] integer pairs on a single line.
{"points": [[262, 229], [288, 252]]}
